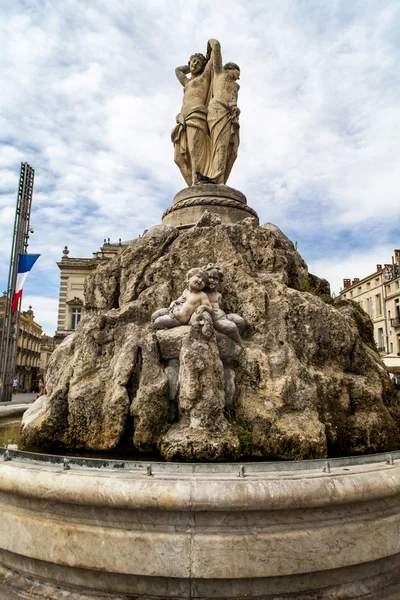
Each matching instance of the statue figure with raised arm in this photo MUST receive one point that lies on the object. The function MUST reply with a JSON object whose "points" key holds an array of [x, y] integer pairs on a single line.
{"points": [[190, 137], [223, 114]]}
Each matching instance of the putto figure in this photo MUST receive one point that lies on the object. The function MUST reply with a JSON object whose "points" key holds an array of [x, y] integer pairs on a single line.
{"points": [[186, 309], [230, 324], [206, 137]]}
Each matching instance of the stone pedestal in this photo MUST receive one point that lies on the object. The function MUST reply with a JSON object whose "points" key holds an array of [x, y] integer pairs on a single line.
{"points": [[190, 204]]}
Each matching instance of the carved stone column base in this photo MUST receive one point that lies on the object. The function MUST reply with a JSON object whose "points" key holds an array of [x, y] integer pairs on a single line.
{"points": [[190, 203]]}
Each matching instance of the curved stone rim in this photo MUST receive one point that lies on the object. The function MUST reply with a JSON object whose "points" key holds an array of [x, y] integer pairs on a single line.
{"points": [[180, 493], [184, 491], [178, 527], [210, 190], [210, 201], [247, 467]]}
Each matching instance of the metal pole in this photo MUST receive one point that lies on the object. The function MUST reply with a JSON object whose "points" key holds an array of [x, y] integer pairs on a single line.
{"points": [[10, 328]]}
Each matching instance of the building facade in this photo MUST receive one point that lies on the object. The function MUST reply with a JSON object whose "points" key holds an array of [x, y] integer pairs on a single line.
{"points": [[74, 272], [47, 346], [379, 295], [28, 348], [28, 356]]}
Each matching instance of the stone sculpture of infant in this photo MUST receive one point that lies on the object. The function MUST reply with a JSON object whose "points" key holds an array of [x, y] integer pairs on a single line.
{"points": [[186, 309], [229, 324]]}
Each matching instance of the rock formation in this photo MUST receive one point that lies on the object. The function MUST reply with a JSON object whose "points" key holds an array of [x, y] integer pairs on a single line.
{"points": [[305, 382]]}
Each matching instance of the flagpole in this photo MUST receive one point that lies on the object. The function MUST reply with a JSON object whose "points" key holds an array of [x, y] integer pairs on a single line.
{"points": [[10, 326]]}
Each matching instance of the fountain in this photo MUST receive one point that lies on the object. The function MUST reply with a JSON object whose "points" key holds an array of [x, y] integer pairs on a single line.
{"points": [[207, 345]]}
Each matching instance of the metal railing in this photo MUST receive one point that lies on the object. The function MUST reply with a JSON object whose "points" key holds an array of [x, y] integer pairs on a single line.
{"points": [[238, 469]]}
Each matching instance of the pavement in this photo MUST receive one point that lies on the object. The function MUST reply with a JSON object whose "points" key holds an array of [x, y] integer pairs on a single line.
{"points": [[27, 398], [17, 406]]}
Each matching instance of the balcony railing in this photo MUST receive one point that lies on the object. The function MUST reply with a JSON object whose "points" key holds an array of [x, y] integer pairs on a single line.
{"points": [[395, 322]]}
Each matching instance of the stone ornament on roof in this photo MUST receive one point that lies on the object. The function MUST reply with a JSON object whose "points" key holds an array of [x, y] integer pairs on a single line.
{"points": [[75, 302]]}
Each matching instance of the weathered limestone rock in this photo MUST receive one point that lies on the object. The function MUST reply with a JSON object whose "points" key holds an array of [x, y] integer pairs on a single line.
{"points": [[208, 219], [203, 433], [98, 377], [304, 383], [170, 344]]}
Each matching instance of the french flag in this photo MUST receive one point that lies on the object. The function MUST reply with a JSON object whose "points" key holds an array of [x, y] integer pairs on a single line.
{"points": [[25, 264]]}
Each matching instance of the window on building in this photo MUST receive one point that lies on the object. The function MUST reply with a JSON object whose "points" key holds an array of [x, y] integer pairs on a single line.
{"points": [[370, 308], [388, 288], [381, 344], [360, 303], [75, 317], [378, 304], [377, 281], [391, 347], [368, 285], [351, 294], [360, 289]]}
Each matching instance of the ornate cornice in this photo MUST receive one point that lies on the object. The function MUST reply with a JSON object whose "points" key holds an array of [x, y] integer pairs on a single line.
{"points": [[75, 302]]}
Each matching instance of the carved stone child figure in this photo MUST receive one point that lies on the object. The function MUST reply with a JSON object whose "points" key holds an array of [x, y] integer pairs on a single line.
{"points": [[229, 324], [189, 306]]}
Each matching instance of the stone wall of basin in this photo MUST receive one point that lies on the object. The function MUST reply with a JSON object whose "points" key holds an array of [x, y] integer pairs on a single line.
{"points": [[88, 533]]}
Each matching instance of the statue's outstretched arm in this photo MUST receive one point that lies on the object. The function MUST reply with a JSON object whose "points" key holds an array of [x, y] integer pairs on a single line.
{"points": [[180, 300], [215, 56], [181, 73], [206, 304]]}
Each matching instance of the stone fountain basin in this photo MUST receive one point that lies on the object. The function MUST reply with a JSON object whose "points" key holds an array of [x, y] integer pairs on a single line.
{"points": [[310, 529]]}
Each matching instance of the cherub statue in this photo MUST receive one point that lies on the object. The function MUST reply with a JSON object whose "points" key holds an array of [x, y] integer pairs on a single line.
{"points": [[186, 309], [229, 324]]}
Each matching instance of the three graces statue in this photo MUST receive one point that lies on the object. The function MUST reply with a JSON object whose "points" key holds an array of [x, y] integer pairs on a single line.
{"points": [[206, 137]]}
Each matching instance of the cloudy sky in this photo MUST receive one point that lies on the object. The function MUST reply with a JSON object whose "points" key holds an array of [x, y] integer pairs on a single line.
{"points": [[89, 97]]}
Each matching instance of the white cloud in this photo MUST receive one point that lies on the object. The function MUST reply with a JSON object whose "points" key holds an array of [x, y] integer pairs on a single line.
{"points": [[356, 264], [45, 311]]}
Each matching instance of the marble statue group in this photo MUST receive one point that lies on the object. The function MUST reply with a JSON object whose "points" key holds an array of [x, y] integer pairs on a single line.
{"points": [[200, 300], [206, 136]]}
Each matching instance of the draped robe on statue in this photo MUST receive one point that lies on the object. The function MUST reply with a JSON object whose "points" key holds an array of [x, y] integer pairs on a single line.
{"points": [[191, 138], [223, 122]]}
